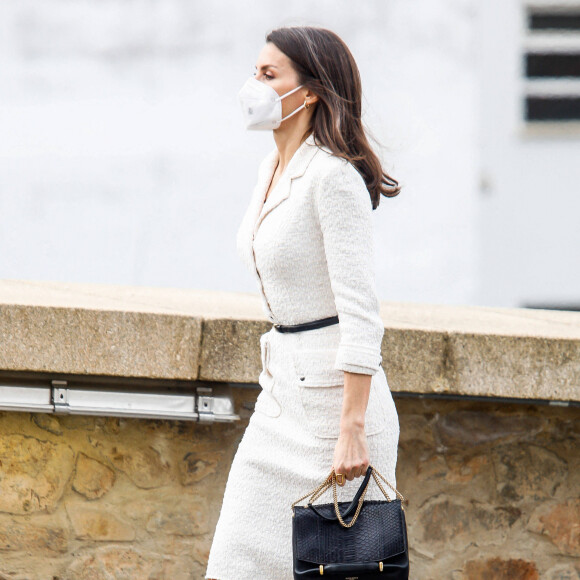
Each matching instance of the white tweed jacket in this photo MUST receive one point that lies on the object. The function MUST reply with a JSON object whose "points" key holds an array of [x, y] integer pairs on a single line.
{"points": [[310, 247]]}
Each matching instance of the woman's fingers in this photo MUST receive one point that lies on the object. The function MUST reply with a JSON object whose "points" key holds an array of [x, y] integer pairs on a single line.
{"points": [[350, 473]]}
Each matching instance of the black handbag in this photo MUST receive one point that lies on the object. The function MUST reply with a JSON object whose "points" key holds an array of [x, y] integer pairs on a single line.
{"points": [[323, 544]]}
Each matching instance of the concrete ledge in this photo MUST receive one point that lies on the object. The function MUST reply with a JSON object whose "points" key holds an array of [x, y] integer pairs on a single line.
{"points": [[165, 333]]}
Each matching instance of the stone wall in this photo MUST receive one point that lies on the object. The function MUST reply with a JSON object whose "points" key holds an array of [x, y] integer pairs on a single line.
{"points": [[492, 488], [492, 492], [101, 497]]}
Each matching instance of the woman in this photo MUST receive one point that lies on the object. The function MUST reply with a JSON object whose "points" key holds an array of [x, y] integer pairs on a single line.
{"points": [[307, 236]]}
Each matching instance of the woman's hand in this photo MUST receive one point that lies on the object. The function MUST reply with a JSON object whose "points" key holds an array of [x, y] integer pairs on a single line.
{"points": [[351, 454]]}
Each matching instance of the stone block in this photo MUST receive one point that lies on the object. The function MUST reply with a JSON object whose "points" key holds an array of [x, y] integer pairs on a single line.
{"points": [[47, 422], [99, 342], [463, 469], [187, 516], [561, 523], [98, 525], [563, 572], [498, 569], [33, 473], [92, 479], [231, 350], [195, 466], [473, 428], [141, 463], [111, 562], [527, 472], [454, 522], [22, 536]]}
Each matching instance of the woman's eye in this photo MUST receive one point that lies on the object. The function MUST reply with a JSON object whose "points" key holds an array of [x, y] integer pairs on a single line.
{"points": [[269, 77]]}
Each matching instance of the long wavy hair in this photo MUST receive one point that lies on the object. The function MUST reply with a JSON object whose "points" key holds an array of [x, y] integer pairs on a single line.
{"points": [[325, 65]]}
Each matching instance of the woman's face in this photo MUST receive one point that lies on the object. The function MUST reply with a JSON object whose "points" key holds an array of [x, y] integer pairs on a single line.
{"points": [[274, 68]]}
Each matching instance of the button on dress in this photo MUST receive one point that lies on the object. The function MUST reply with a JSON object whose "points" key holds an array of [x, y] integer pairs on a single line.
{"points": [[310, 248]]}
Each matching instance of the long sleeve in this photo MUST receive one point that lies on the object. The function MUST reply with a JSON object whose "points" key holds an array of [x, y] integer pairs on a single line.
{"points": [[344, 212]]}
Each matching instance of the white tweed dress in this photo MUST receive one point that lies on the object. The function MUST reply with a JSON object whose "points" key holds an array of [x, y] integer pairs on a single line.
{"points": [[313, 257]]}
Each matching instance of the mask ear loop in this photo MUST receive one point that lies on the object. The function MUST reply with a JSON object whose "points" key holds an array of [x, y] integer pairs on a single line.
{"points": [[293, 112], [289, 92], [303, 106]]}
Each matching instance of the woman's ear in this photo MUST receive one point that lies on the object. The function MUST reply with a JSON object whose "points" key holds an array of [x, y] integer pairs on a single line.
{"points": [[310, 97]]}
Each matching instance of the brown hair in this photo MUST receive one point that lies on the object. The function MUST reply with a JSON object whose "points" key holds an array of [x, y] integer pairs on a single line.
{"points": [[325, 65]]}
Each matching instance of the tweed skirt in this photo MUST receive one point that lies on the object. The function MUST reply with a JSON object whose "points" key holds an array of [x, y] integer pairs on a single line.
{"points": [[287, 450]]}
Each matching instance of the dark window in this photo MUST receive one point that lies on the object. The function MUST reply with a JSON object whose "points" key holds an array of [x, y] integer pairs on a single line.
{"points": [[546, 99], [555, 65], [552, 108], [554, 21]]}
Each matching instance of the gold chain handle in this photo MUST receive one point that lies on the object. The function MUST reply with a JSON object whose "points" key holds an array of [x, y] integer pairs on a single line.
{"points": [[358, 507], [397, 493], [326, 484], [331, 480]]}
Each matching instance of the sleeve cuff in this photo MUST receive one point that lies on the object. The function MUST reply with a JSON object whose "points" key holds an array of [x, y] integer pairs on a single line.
{"points": [[358, 359]]}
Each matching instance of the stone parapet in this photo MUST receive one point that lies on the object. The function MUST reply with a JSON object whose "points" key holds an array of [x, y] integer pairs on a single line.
{"points": [[181, 334]]}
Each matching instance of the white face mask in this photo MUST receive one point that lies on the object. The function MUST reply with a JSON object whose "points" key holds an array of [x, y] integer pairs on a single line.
{"points": [[262, 106]]}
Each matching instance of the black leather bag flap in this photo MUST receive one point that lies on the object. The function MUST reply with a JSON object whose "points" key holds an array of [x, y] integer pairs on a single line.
{"points": [[379, 533]]}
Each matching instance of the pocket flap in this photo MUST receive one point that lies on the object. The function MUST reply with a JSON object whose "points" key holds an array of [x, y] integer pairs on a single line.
{"points": [[315, 368]]}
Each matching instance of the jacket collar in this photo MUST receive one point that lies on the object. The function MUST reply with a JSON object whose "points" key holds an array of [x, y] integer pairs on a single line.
{"points": [[296, 168]]}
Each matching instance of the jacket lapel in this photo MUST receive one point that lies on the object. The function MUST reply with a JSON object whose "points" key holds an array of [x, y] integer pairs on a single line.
{"points": [[257, 209], [296, 168]]}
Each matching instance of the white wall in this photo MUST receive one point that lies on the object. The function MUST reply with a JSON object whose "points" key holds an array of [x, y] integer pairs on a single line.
{"points": [[529, 213], [123, 158]]}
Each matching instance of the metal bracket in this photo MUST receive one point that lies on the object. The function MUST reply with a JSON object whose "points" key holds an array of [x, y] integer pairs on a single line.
{"points": [[60, 397], [205, 404], [215, 404]]}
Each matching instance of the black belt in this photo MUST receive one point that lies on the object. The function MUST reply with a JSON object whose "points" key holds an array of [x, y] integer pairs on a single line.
{"points": [[307, 325]]}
